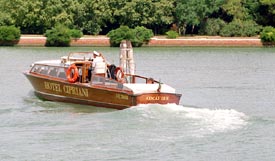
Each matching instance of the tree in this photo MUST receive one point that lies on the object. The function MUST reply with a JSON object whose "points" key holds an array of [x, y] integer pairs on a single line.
{"points": [[236, 9], [58, 11], [119, 34], [194, 12], [137, 36], [212, 27], [266, 12], [241, 28], [36, 16], [101, 16], [5, 16], [95, 15], [268, 35], [9, 35], [148, 13], [28, 16], [58, 36], [243, 23], [163, 14]]}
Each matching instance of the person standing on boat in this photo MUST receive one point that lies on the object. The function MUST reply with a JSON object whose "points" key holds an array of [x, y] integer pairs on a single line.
{"points": [[80, 74], [98, 58]]}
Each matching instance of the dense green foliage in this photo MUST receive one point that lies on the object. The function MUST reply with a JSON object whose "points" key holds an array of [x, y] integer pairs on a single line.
{"points": [[9, 35], [76, 33], [58, 36], [101, 16], [137, 36], [192, 13], [61, 35], [117, 35], [240, 28], [268, 35], [141, 35], [171, 34], [212, 27]]}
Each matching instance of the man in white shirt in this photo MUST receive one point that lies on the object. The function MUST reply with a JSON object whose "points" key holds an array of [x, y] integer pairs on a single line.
{"points": [[97, 58]]}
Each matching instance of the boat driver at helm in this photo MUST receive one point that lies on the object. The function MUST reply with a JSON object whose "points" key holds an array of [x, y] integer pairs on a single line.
{"points": [[97, 57]]}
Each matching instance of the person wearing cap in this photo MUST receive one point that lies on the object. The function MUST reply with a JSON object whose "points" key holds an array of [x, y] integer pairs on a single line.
{"points": [[97, 58]]}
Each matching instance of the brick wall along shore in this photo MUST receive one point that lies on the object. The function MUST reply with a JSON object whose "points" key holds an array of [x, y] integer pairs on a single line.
{"points": [[37, 40]]}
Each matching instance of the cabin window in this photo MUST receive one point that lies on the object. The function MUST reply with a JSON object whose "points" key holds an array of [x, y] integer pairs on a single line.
{"points": [[36, 69], [61, 73], [44, 70], [53, 71], [58, 72]]}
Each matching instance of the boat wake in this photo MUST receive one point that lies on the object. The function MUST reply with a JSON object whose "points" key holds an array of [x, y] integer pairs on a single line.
{"points": [[201, 121], [177, 119]]}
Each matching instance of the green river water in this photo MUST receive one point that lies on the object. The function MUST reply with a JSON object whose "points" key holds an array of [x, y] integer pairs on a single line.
{"points": [[227, 109]]}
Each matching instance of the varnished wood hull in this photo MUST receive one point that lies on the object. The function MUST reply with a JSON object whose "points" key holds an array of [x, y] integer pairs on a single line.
{"points": [[63, 91]]}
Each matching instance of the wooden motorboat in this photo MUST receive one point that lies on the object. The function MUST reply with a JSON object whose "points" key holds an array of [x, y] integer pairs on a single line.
{"points": [[74, 79]]}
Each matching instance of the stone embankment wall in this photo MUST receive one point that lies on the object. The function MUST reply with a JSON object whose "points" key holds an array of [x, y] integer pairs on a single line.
{"points": [[36, 40]]}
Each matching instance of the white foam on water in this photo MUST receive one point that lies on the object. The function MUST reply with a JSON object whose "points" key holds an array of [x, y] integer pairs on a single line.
{"points": [[218, 120], [201, 121]]}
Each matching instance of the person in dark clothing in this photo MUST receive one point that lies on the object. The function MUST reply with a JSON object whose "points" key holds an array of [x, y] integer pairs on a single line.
{"points": [[90, 70], [111, 73]]}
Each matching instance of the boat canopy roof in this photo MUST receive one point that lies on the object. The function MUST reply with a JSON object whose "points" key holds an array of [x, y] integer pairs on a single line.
{"points": [[49, 62], [77, 56]]}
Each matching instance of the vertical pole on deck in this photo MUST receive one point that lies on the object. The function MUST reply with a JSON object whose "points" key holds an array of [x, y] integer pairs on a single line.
{"points": [[122, 55], [127, 57], [130, 58]]}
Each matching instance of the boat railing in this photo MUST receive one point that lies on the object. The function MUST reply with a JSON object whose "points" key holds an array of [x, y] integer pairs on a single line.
{"points": [[139, 79]]}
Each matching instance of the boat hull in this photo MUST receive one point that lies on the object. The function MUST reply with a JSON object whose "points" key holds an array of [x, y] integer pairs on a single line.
{"points": [[81, 93]]}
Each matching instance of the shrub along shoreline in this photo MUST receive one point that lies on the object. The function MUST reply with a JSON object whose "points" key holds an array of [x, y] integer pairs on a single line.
{"points": [[102, 40], [61, 35]]}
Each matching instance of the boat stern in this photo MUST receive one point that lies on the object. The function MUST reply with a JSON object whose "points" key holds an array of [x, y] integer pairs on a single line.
{"points": [[154, 93], [158, 98]]}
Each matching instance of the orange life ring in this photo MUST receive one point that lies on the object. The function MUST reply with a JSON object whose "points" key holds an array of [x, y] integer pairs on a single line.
{"points": [[69, 71], [119, 74]]}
